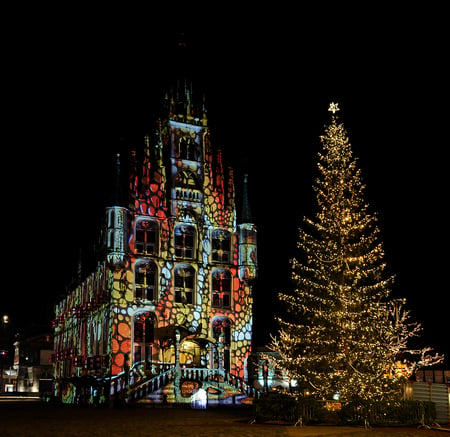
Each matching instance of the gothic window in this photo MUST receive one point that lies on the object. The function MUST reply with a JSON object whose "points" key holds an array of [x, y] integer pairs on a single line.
{"points": [[221, 246], [111, 219], [184, 241], [221, 288], [146, 237], [145, 278], [187, 149], [184, 284]]}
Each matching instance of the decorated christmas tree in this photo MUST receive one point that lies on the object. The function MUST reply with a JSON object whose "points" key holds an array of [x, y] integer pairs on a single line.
{"points": [[342, 333]]}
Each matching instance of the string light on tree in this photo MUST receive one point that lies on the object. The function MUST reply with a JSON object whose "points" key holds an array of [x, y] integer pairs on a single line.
{"points": [[342, 332]]}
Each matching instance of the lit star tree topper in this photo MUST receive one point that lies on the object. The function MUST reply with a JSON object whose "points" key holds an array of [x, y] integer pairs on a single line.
{"points": [[342, 332], [333, 107]]}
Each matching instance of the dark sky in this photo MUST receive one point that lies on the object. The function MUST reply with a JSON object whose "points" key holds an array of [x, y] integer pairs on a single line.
{"points": [[77, 89]]}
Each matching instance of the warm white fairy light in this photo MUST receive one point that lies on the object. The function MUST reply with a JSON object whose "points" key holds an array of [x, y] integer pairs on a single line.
{"points": [[342, 331]]}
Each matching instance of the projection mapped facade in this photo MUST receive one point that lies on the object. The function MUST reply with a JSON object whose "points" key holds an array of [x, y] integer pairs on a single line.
{"points": [[169, 308]]}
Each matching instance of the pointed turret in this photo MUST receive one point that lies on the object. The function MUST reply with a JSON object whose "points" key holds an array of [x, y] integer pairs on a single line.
{"points": [[246, 216], [117, 197], [247, 239], [116, 222], [230, 189]]}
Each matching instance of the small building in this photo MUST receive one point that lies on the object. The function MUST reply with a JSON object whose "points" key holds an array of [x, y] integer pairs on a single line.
{"points": [[171, 298], [32, 369]]}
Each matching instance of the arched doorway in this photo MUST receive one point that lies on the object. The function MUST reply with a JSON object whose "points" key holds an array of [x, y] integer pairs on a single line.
{"points": [[144, 337], [190, 354]]}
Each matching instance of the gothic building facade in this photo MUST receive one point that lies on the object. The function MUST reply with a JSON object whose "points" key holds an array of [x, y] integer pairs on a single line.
{"points": [[173, 290]]}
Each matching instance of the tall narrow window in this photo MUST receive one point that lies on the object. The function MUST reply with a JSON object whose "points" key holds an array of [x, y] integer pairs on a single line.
{"points": [[221, 288], [184, 284], [110, 228], [146, 237], [144, 337], [184, 241], [220, 243], [105, 335], [145, 278], [221, 329], [182, 148]]}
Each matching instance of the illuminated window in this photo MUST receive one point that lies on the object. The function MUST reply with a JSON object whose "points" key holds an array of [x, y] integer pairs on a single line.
{"points": [[184, 284], [221, 246], [187, 149], [145, 278], [146, 237], [184, 241], [221, 288]]}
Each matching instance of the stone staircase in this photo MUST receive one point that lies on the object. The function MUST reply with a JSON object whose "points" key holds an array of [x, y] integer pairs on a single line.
{"points": [[174, 386]]}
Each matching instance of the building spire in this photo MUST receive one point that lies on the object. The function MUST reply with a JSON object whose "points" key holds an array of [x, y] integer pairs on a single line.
{"points": [[117, 194], [246, 216]]}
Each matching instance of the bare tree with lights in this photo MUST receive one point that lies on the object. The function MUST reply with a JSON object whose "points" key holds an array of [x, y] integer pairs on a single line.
{"points": [[342, 332]]}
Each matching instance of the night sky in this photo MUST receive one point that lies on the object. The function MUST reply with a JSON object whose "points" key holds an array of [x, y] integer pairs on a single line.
{"points": [[77, 90]]}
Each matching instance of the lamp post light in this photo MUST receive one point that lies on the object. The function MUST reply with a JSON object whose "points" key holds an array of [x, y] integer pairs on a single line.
{"points": [[220, 347], [177, 365], [3, 352], [266, 376], [2, 356], [177, 348]]}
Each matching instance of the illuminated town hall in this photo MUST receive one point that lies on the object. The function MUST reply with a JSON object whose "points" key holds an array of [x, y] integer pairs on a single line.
{"points": [[168, 310]]}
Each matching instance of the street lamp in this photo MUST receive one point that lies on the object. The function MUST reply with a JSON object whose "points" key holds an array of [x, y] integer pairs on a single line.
{"points": [[3, 352], [177, 348]]}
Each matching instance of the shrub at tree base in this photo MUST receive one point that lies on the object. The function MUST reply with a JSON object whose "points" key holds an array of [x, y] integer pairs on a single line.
{"points": [[288, 408], [388, 412]]}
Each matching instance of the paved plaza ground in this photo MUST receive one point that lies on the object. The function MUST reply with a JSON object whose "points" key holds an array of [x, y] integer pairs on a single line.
{"points": [[23, 419]]}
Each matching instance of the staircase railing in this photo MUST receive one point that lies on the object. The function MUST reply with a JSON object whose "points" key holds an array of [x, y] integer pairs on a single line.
{"points": [[129, 381], [238, 383], [149, 386]]}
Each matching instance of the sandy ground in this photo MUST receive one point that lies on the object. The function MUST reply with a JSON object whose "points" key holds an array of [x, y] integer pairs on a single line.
{"points": [[23, 419]]}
